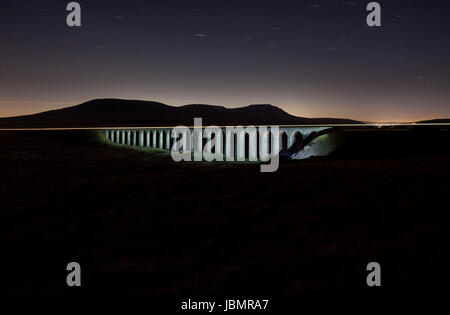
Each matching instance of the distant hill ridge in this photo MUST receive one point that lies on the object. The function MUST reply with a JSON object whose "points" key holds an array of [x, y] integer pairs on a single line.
{"points": [[436, 121], [119, 112]]}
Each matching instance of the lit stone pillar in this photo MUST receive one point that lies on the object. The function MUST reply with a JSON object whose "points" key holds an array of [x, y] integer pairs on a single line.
{"points": [[264, 140], [276, 143], [229, 145], [107, 134], [197, 140], [134, 138], [141, 138], [207, 134], [154, 138], [291, 139], [128, 137], [241, 145], [219, 142], [253, 145], [147, 138], [122, 137], [195, 143], [168, 140], [117, 136], [161, 138], [185, 142]]}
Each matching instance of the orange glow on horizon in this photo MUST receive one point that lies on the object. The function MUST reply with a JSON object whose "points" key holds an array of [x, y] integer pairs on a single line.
{"points": [[10, 108]]}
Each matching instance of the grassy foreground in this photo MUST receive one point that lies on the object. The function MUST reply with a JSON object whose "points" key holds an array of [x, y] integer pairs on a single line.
{"points": [[138, 222]]}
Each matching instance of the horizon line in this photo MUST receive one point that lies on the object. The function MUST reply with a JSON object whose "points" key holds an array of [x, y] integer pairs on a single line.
{"points": [[366, 122]]}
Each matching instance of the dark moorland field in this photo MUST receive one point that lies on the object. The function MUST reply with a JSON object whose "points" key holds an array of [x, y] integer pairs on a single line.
{"points": [[139, 223]]}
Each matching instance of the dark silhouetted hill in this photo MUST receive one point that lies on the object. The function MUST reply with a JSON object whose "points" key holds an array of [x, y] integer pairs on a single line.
{"points": [[117, 113], [436, 121]]}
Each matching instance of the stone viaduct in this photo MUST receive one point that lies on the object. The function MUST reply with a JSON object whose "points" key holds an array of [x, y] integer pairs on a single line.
{"points": [[241, 145]]}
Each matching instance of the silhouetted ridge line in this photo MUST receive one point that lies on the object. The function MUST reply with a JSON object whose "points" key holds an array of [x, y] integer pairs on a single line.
{"points": [[118, 112], [436, 121]]}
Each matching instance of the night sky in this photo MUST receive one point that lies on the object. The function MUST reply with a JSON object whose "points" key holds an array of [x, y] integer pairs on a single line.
{"points": [[311, 58]]}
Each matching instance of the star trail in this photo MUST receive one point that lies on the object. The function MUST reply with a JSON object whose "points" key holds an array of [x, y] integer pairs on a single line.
{"points": [[311, 58]]}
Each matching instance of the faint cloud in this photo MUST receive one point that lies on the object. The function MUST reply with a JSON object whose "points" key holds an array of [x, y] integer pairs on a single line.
{"points": [[422, 78]]}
